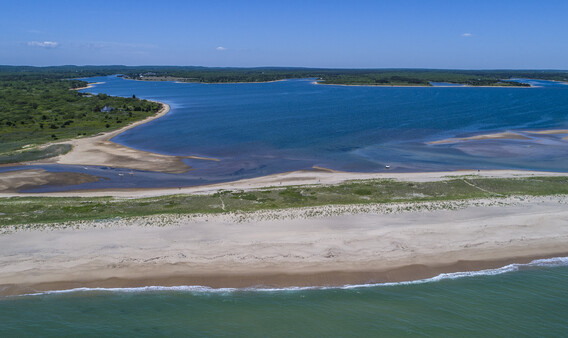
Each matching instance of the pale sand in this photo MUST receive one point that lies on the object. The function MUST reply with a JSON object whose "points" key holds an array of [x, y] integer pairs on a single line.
{"points": [[330, 245], [100, 151], [318, 176], [371, 85], [180, 80], [548, 132], [495, 136], [89, 85], [216, 83], [508, 135]]}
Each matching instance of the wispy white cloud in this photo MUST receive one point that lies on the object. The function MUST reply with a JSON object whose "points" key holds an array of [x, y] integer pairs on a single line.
{"points": [[220, 48], [43, 44], [467, 35]]}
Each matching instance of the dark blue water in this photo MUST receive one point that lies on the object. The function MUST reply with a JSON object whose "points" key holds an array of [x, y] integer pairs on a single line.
{"points": [[265, 128]]}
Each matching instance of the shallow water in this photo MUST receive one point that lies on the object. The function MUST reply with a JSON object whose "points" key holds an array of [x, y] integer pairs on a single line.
{"points": [[530, 301], [266, 128], [348, 128]]}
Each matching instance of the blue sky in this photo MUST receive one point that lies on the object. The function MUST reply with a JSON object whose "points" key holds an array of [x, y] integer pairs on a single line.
{"points": [[353, 34]]}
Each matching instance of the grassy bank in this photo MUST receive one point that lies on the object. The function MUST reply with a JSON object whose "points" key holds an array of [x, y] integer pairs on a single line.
{"points": [[37, 105], [38, 109], [27, 210], [34, 153]]}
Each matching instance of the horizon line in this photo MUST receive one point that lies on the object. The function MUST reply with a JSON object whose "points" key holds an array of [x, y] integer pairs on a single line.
{"points": [[288, 67]]}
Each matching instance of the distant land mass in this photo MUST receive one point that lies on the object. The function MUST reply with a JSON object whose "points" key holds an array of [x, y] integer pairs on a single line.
{"points": [[37, 105], [381, 77]]}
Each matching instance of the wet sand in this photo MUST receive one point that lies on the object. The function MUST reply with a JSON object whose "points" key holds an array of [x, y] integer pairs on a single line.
{"points": [[323, 246], [317, 176], [100, 151], [548, 132], [507, 135], [13, 181], [495, 136]]}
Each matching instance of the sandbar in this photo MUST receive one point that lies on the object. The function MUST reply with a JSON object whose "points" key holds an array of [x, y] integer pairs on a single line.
{"points": [[317, 176], [99, 150], [13, 181], [507, 135], [548, 132], [495, 136]]}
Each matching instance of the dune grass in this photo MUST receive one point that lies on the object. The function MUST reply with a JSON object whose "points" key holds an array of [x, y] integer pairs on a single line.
{"points": [[22, 210], [35, 153]]}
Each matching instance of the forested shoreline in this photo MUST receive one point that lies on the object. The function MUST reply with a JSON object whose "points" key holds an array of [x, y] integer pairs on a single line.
{"points": [[264, 74], [43, 107], [38, 105]]}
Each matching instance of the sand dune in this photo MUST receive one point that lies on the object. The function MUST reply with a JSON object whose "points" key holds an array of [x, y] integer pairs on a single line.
{"points": [[331, 245]]}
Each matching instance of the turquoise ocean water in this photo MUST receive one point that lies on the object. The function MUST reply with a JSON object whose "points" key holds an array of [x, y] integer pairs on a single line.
{"points": [[526, 301]]}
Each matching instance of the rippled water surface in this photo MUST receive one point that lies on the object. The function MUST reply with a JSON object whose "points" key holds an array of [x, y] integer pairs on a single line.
{"points": [[530, 302], [266, 128]]}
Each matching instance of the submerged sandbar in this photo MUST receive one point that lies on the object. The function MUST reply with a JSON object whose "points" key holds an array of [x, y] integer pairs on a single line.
{"points": [[506, 135]]}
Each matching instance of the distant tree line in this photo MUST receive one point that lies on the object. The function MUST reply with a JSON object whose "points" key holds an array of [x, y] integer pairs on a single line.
{"points": [[37, 105], [263, 74], [421, 77]]}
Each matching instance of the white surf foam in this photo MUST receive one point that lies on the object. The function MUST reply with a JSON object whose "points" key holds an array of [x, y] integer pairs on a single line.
{"points": [[548, 262]]}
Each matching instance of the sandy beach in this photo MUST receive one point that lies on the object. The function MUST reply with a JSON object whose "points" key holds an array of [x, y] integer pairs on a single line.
{"points": [[316, 176], [99, 150], [318, 246], [415, 86], [89, 85]]}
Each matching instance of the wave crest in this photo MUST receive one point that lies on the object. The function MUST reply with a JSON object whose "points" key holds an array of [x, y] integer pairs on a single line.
{"points": [[548, 263]]}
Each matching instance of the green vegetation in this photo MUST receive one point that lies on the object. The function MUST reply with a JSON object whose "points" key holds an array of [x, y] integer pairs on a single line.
{"points": [[26, 210], [37, 104], [384, 77], [424, 77], [35, 154], [35, 110], [263, 74]]}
